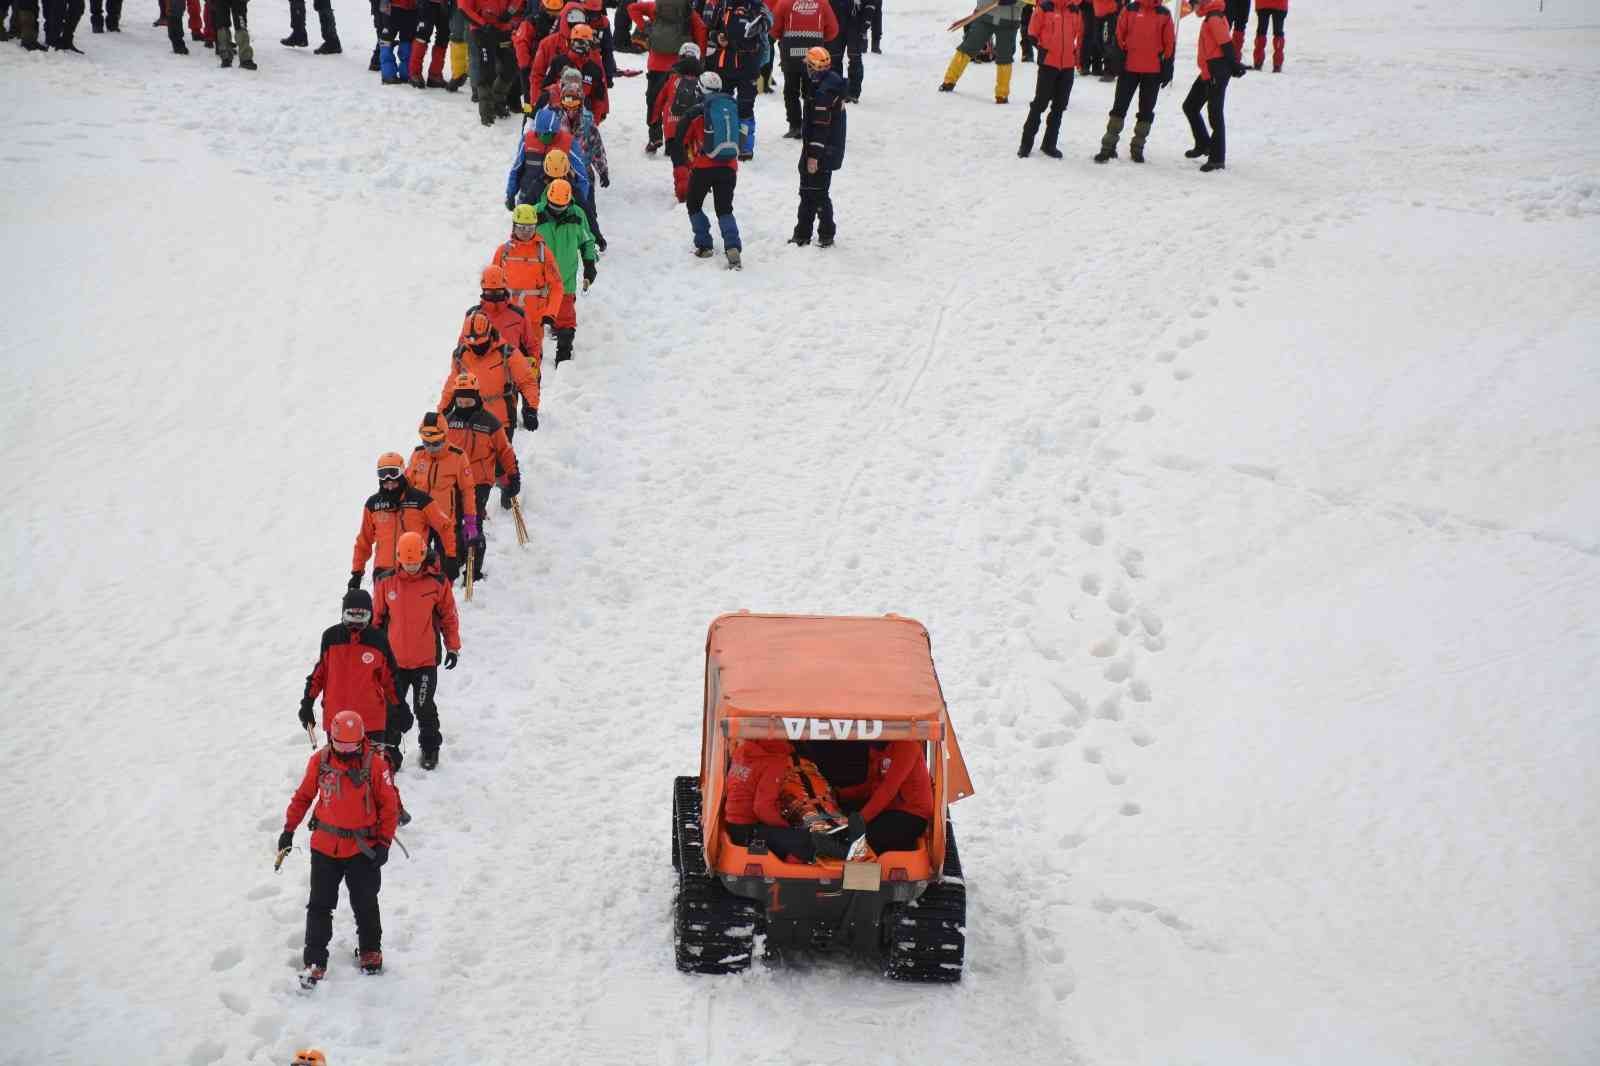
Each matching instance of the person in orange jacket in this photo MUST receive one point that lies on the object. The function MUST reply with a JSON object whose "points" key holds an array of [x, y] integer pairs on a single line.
{"points": [[523, 333], [352, 827], [531, 271], [896, 800], [1219, 61], [477, 432], [501, 368], [417, 610], [395, 508], [1057, 26], [443, 471], [1273, 11], [1148, 40], [754, 781]]}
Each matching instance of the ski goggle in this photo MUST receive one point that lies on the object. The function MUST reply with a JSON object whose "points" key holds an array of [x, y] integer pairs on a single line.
{"points": [[524, 231], [347, 746], [357, 616], [433, 445], [390, 473], [496, 295]]}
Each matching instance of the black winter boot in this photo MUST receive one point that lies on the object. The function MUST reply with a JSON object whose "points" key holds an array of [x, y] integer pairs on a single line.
{"points": [[1141, 131], [564, 344], [1108, 143]]}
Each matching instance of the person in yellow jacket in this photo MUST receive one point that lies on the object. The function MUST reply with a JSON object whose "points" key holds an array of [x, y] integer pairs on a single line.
{"points": [[999, 24]]}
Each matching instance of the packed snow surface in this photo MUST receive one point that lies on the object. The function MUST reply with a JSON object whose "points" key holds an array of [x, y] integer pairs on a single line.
{"points": [[1254, 517]]}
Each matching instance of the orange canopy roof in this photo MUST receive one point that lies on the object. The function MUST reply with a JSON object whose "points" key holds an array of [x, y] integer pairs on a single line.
{"points": [[866, 668]]}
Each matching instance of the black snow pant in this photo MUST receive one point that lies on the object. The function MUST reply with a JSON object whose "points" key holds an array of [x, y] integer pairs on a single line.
{"points": [[327, 24], [1091, 53], [653, 81], [61, 21], [1051, 90], [719, 183], [103, 14], [622, 29], [796, 87], [1210, 95], [1238, 12], [815, 203], [421, 684], [233, 29], [496, 68], [785, 842], [849, 44], [896, 831], [480, 492], [1147, 85], [877, 25], [1111, 56], [363, 878]]}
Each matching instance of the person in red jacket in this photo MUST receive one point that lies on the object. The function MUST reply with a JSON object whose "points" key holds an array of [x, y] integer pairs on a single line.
{"points": [[578, 53], [1219, 61], [489, 33], [517, 330], [708, 176], [665, 28], [1057, 26], [754, 780], [352, 828], [355, 670], [798, 26], [896, 800], [417, 610], [1099, 25], [1274, 11], [1148, 41], [395, 508], [679, 94]]}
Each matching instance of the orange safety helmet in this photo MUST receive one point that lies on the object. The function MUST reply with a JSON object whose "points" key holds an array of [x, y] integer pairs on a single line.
{"points": [[556, 164], [479, 329], [309, 1057], [347, 731], [559, 193], [582, 32], [552, 7], [818, 59], [432, 429], [391, 461], [466, 381], [411, 549], [493, 277]]}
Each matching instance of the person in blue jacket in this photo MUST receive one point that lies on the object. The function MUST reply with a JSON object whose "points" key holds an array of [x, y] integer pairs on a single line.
{"points": [[542, 131], [822, 133]]}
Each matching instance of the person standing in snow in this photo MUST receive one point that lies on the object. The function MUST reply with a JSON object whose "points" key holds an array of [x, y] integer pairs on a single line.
{"points": [[493, 61], [394, 509], [325, 20], [1058, 27], [739, 28], [479, 434], [355, 671], [565, 229], [666, 25], [679, 95], [443, 471], [105, 16], [61, 18], [713, 171], [1148, 40], [855, 16], [1238, 14], [433, 23], [822, 151], [233, 31], [417, 611], [1218, 62], [997, 27], [799, 26], [352, 827], [1273, 11]]}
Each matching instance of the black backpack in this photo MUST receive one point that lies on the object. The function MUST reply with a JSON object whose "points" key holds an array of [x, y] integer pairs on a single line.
{"points": [[687, 96]]}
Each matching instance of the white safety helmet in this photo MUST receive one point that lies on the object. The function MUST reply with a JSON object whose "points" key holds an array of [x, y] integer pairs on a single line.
{"points": [[711, 82]]}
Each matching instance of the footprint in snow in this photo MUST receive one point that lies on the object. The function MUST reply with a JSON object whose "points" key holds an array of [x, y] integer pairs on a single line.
{"points": [[227, 959]]}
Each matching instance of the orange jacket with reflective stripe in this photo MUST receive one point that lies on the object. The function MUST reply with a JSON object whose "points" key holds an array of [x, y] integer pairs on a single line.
{"points": [[387, 515], [532, 276], [446, 475]]}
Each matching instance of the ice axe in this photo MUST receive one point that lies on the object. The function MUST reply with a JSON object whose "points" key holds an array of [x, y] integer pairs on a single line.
{"points": [[311, 732], [282, 854], [469, 573], [516, 517]]}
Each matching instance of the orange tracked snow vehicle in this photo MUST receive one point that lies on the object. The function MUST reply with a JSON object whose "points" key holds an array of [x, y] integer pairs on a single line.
{"points": [[832, 688]]}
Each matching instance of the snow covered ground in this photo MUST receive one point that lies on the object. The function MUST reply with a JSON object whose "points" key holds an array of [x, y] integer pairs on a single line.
{"points": [[1254, 517]]}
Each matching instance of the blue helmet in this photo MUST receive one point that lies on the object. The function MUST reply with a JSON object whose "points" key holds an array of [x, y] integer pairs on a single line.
{"points": [[546, 122]]}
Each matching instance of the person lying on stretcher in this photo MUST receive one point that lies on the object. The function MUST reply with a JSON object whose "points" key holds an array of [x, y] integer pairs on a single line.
{"points": [[774, 788]]}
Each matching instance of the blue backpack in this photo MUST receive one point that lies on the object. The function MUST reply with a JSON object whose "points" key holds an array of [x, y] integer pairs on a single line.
{"points": [[722, 127]]}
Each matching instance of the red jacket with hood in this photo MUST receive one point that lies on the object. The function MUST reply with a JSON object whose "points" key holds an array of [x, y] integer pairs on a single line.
{"points": [[753, 780], [897, 780], [1146, 36], [1059, 33], [353, 792]]}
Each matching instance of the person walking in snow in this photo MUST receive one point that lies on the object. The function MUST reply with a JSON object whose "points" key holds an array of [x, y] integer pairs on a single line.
{"points": [[394, 509], [1058, 27], [1274, 12], [444, 472], [530, 270], [679, 95], [997, 27], [1219, 62], [709, 142], [352, 828], [479, 434], [1148, 40], [739, 28], [499, 361], [355, 671], [565, 229], [822, 148], [666, 26], [417, 611]]}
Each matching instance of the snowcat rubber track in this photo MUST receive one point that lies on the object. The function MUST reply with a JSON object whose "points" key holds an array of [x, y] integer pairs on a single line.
{"points": [[927, 938], [713, 930]]}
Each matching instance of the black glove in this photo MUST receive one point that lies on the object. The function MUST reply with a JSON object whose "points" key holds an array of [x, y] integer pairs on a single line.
{"points": [[307, 717], [1047, 5], [286, 840], [452, 568], [450, 658], [605, 181], [1166, 73], [588, 273], [547, 322], [355, 580], [400, 719], [380, 855], [511, 203], [514, 483], [530, 417], [1239, 70]]}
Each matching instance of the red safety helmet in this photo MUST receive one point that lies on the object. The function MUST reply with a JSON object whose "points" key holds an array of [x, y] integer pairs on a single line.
{"points": [[411, 549], [347, 731]]}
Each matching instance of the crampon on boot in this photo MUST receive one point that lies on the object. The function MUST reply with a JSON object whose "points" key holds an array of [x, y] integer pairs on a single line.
{"points": [[371, 962]]}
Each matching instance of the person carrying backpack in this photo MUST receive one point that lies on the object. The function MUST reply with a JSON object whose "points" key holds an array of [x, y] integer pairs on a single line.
{"points": [[1219, 61], [822, 133], [666, 26], [710, 140], [352, 827], [565, 229], [679, 95], [739, 28], [544, 130], [418, 611]]}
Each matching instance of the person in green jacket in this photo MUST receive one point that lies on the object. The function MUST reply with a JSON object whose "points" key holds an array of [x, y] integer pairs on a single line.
{"points": [[565, 229], [999, 23]]}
